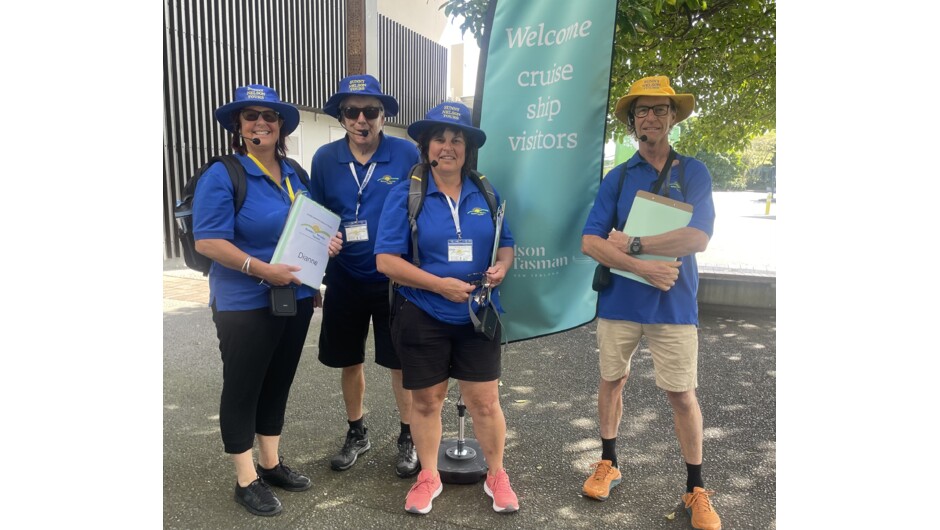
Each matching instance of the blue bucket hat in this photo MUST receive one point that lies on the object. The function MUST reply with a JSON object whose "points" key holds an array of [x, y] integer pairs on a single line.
{"points": [[453, 114], [360, 85], [257, 95]]}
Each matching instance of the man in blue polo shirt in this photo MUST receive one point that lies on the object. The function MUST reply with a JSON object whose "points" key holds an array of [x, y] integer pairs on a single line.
{"points": [[352, 176], [665, 311]]}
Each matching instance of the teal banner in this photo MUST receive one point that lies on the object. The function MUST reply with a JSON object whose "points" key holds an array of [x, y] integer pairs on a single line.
{"points": [[545, 81]]}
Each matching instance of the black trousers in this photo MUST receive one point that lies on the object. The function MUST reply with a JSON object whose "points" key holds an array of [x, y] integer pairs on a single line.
{"points": [[260, 354]]}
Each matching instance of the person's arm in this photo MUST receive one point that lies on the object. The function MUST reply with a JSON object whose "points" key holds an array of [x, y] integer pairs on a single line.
{"points": [[228, 255], [402, 272], [676, 243], [504, 259], [661, 274]]}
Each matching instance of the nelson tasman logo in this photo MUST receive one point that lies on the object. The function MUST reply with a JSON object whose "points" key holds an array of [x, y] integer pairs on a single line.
{"points": [[478, 211], [388, 179]]}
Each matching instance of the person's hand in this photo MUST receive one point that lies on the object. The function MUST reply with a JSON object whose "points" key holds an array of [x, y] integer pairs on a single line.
{"points": [[662, 274], [281, 274], [336, 245], [317, 299], [455, 290], [495, 275], [619, 240]]}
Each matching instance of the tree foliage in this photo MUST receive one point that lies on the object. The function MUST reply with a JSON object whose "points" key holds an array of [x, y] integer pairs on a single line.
{"points": [[723, 52]]}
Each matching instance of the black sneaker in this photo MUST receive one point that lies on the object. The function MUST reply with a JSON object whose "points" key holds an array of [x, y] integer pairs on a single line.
{"points": [[257, 498], [357, 442], [284, 477], [407, 457]]}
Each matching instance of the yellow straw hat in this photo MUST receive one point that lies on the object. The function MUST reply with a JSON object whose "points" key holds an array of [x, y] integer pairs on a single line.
{"points": [[655, 86]]}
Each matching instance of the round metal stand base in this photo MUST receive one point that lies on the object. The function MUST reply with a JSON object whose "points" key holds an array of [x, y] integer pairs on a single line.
{"points": [[468, 468]]}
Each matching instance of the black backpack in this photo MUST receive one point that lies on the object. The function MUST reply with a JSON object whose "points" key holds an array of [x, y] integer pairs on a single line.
{"points": [[183, 211]]}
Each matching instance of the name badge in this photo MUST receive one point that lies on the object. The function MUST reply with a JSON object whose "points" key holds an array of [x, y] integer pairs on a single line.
{"points": [[357, 231], [459, 250]]}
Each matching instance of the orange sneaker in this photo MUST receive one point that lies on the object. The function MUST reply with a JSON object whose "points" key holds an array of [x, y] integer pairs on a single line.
{"points": [[497, 487], [423, 493], [605, 477], [700, 508]]}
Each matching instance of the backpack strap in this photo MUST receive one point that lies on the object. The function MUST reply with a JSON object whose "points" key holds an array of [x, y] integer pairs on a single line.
{"points": [[662, 183], [301, 173], [235, 171], [417, 188], [483, 184]]}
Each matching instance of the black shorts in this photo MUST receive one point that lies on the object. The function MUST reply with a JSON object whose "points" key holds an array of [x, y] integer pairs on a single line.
{"points": [[432, 351], [348, 306]]}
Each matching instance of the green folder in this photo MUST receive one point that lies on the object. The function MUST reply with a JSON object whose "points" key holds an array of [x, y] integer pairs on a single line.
{"points": [[652, 215]]}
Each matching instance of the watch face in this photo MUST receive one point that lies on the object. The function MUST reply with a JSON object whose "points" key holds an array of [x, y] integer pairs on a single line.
{"points": [[635, 246]]}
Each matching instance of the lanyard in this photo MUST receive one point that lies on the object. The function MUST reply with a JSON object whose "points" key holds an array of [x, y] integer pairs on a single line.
{"points": [[454, 214], [290, 190], [352, 169]]}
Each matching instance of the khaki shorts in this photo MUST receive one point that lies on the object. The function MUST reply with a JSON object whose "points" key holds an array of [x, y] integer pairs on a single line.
{"points": [[674, 348]]}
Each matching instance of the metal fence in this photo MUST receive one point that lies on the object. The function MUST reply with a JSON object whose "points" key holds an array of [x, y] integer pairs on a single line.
{"points": [[210, 47]]}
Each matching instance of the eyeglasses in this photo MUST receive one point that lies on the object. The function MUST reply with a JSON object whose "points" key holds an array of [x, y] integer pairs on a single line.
{"points": [[658, 110], [252, 115], [352, 113]]}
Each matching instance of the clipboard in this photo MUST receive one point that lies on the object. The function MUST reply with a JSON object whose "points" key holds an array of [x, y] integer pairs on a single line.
{"points": [[500, 214], [652, 215], [305, 239]]}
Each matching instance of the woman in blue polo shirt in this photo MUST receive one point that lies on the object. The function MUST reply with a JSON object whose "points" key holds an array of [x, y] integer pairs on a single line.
{"points": [[432, 328], [260, 351]]}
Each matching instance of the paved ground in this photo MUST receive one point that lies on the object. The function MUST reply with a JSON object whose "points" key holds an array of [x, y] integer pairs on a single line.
{"points": [[548, 394]]}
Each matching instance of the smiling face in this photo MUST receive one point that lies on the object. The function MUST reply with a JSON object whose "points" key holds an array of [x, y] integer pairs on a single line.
{"points": [[654, 127], [266, 131], [449, 148], [360, 122]]}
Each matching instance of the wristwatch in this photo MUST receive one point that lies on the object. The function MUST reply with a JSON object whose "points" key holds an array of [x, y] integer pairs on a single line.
{"points": [[635, 246]]}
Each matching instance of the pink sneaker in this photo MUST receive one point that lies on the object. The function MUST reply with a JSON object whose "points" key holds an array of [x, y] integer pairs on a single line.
{"points": [[497, 487], [422, 494]]}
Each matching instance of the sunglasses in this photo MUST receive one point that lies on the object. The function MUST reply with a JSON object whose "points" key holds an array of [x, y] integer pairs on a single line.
{"points": [[252, 115], [352, 113]]}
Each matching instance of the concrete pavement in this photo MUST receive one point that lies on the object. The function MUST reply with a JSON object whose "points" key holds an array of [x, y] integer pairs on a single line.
{"points": [[548, 394]]}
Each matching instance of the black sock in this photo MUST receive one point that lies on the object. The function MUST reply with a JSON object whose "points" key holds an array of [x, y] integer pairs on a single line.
{"points": [[609, 450], [405, 432], [356, 425], [695, 477]]}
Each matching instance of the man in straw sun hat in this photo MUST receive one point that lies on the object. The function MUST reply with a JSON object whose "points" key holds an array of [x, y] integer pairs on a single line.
{"points": [[663, 307]]}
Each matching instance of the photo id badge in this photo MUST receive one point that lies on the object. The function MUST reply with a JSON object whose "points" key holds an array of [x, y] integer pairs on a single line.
{"points": [[459, 250], [357, 231]]}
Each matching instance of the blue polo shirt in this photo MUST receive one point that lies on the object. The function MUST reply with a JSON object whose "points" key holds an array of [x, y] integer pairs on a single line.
{"points": [[332, 185], [254, 230], [631, 300], [435, 227]]}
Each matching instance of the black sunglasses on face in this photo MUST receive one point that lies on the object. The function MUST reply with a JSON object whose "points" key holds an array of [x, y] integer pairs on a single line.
{"points": [[252, 115], [352, 113]]}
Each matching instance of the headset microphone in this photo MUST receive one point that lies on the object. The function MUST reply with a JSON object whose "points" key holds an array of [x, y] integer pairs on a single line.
{"points": [[642, 138], [252, 140], [433, 163], [354, 131]]}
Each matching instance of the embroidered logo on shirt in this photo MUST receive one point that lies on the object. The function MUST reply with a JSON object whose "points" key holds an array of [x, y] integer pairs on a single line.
{"points": [[388, 179], [478, 211]]}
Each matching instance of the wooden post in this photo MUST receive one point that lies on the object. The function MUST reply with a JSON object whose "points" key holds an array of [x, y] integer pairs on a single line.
{"points": [[355, 37]]}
